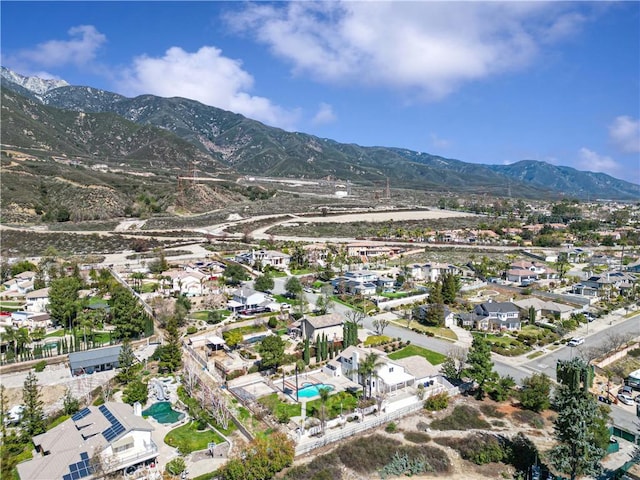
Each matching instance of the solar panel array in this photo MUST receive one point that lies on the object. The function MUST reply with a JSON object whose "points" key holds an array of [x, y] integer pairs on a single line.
{"points": [[79, 470], [116, 427], [81, 414]]}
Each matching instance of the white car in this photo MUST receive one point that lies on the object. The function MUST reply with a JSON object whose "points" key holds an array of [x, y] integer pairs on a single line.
{"points": [[574, 342], [626, 399]]}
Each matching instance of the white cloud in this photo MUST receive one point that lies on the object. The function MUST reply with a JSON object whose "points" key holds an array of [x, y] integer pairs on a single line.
{"points": [[206, 76], [81, 49], [594, 162], [324, 115], [428, 48], [624, 132], [438, 142]]}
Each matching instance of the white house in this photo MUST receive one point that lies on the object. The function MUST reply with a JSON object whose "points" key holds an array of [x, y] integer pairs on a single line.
{"points": [[433, 271], [265, 258], [37, 300], [189, 282], [390, 375], [246, 299], [529, 271], [544, 308], [111, 433], [20, 284]]}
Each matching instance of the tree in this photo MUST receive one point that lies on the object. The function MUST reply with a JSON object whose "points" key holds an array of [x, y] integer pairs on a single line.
{"points": [[33, 415], [535, 392], [261, 459], [379, 325], [272, 351], [577, 428], [501, 388], [70, 404], [480, 365], [63, 300], [126, 313], [293, 287], [264, 283], [324, 396], [135, 391], [126, 361], [367, 369], [232, 337], [532, 315], [450, 287], [325, 301], [171, 355], [235, 274], [453, 366], [306, 354]]}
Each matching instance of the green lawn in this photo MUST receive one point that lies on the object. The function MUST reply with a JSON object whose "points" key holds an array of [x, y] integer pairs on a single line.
{"points": [[188, 439], [442, 332], [434, 358], [394, 294], [57, 333], [204, 314]]}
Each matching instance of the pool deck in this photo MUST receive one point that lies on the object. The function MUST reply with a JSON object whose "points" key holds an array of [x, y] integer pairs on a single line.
{"points": [[315, 377]]}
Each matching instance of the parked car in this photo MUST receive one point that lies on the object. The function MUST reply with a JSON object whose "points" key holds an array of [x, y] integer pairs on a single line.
{"points": [[627, 390], [637, 399], [626, 399], [574, 342]]}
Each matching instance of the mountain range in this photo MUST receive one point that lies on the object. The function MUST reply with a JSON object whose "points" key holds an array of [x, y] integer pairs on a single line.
{"points": [[47, 118]]}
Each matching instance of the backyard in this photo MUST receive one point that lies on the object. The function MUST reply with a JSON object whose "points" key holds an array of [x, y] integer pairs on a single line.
{"points": [[188, 438]]}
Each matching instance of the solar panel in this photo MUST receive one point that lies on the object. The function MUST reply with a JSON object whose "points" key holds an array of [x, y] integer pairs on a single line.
{"points": [[84, 456], [66, 477], [116, 427], [81, 414]]}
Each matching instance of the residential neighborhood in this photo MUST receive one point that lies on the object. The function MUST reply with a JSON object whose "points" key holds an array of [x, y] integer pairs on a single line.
{"points": [[320, 341]]}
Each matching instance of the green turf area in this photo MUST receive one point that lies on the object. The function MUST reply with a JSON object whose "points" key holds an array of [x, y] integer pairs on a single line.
{"points": [[188, 439], [434, 358]]}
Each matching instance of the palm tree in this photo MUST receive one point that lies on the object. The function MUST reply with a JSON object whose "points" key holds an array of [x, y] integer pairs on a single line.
{"points": [[324, 396], [21, 339], [367, 369], [9, 336]]}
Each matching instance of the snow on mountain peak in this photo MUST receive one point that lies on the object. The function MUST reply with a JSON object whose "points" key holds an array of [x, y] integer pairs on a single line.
{"points": [[34, 84]]}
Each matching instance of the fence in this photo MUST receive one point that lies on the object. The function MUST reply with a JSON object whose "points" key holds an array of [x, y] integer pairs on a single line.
{"points": [[351, 429]]}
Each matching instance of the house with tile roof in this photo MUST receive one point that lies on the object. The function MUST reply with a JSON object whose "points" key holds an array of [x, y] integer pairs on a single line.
{"points": [[109, 437]]}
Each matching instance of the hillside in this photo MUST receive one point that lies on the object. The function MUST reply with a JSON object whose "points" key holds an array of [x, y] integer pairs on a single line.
{"points": [[172, 134]]}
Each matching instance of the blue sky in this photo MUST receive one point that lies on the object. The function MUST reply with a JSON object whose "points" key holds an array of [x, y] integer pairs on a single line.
{"points": [[483, 82]]}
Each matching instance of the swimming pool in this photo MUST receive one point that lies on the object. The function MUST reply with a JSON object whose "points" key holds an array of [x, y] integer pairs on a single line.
{"points": [[163, 413], [312, 390]]}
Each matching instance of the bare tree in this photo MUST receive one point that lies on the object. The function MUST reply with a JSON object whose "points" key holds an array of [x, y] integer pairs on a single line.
{"points": [[379, 325], [190, 377], [355, 316]]}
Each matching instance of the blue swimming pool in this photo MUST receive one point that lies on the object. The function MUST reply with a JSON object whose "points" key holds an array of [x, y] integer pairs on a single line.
{"points": [[311, 390]]}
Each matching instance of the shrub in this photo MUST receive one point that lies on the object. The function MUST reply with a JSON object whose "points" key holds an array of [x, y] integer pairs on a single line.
{"points": [[191, 330], [463, 417], [479, 448], [437, 402], [391, 428], [417, 437], [491, 411], [273, 322], [40, 366], [176, 466]]}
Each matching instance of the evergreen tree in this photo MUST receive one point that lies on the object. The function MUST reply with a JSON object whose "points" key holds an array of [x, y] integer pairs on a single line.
{"points": [[171, 354], [480, 365], [126, 314], [535, 394], [577, 426], [450, 287], [63, 300], [306, 354], [272, 351], [135, 391], [70, 404], [33, 414], [126, 362], [264, 282]]}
